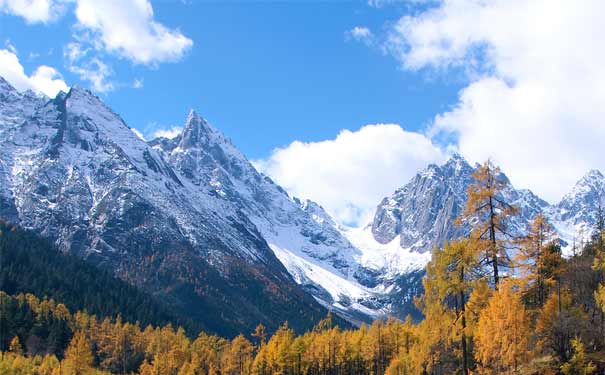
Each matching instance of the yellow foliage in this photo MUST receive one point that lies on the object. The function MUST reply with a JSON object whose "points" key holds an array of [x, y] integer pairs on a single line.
{"points": [[502, 335]]}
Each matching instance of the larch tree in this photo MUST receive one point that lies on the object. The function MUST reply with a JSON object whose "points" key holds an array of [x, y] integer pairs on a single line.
{"points": [[78, 356], [505, 314], [536, 256], [487, 212], [451, 275], [260, 333], [238, 359]]}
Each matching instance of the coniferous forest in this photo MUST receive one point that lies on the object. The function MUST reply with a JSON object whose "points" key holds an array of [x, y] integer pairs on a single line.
{"points": [[492, 304]]}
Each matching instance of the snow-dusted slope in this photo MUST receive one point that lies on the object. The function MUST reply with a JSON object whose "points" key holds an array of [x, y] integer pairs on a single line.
{"points": [[73, 171], [300, 233]]}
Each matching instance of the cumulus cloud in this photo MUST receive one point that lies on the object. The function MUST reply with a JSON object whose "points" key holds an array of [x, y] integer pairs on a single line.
{"points": [[360, 34], [44, 79], [536, 83], [128, 29], [33, 11], [350, 174], [123, 28]]}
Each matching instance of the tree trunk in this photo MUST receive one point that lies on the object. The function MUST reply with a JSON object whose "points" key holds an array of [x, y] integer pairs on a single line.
{"points": [[463, 312], [492, 238]]}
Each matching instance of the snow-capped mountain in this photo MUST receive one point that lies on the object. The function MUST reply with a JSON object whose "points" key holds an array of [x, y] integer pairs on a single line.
{"points": [[301, 234], [73, 171], [421, 214], [192, 220]]}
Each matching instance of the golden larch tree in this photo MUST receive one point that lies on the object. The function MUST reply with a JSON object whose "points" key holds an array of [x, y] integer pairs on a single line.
{"points": [[78, 356], [487, 212], [505, 314]]}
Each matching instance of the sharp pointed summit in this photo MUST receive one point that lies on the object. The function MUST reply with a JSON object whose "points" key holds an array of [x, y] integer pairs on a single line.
{"points": [[195, 132]]}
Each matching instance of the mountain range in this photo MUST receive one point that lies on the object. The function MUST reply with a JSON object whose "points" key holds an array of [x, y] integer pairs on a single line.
{"points": [[190, 220]]}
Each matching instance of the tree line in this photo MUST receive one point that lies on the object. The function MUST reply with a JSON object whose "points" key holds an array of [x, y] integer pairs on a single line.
{"points": [[493, 303]]}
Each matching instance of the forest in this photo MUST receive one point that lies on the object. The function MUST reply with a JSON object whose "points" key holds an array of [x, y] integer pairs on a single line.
{"points": [[492, 304]]}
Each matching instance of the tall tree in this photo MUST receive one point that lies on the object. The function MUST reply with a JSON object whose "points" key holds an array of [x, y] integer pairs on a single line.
{"points": [[78, 357], [506, 314], [537, 259], [239, 358], [451, 275], [487, 212]]}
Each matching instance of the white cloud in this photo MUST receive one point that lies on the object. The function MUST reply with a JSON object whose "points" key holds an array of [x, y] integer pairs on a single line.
{"points": [[33, 11], [350, 174], [128, 29], [44, 79], [122, 28], [361, 34], [536, 69], [167, 133], [94, 71]]}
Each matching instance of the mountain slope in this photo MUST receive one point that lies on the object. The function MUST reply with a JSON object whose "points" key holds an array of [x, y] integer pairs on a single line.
{"points": [[75, 173], [31, 264]]}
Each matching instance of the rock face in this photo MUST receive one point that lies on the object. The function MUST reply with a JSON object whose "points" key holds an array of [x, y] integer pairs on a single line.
{"points": [[422, 214], [191, 220]]}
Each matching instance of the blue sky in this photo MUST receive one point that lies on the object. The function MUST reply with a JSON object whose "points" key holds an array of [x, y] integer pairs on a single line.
{"points": [[265, 73], [338, 101]]}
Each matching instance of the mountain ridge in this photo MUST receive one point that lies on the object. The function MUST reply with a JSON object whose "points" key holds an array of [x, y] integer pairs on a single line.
{"points": [[73, 171]]}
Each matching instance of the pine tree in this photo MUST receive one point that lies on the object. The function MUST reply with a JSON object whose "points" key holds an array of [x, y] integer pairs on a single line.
{"points": [[487, 212]]}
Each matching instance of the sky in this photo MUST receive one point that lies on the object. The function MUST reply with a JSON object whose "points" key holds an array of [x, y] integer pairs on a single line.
{"points": [[338, 101]]}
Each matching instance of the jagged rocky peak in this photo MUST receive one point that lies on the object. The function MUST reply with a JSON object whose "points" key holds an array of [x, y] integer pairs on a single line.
{"points": [[592, 181], [590, 188], [457, 165], [420, 211], [81, 100], [195, 131], [582, 202]]}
